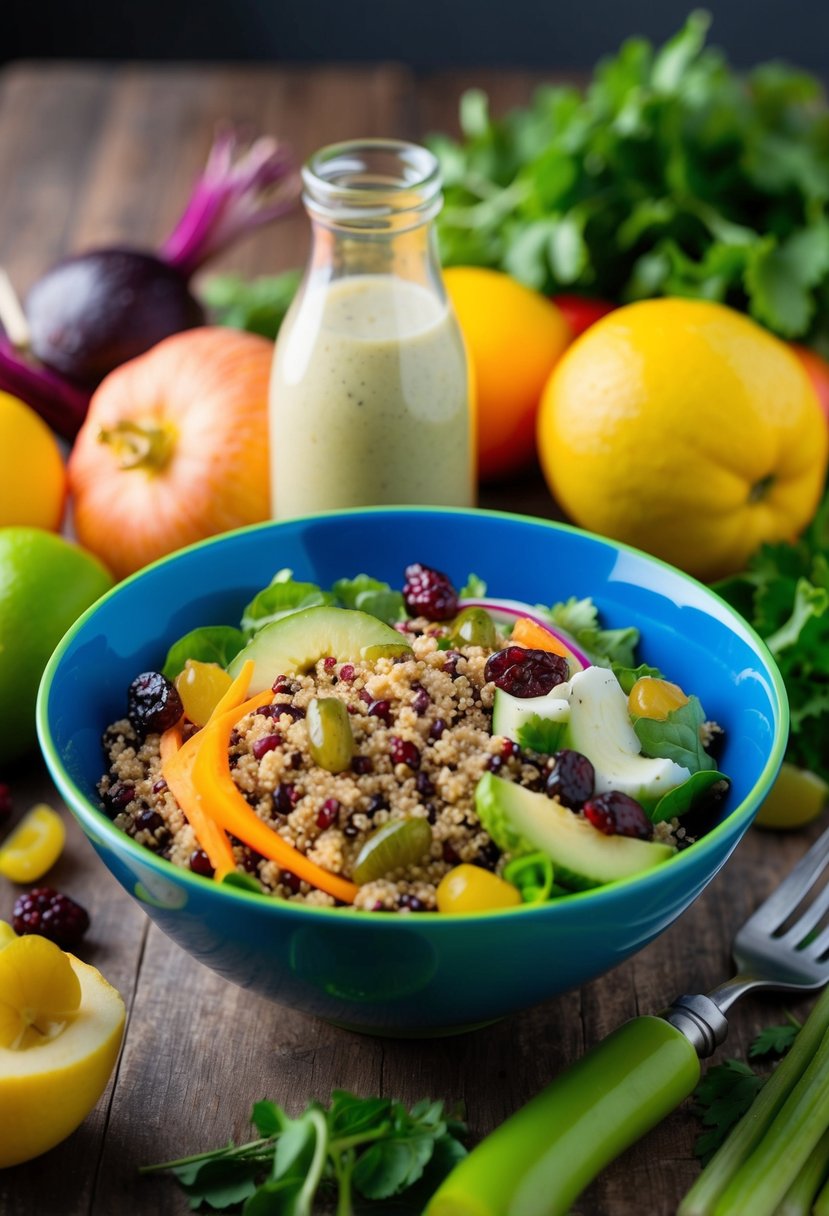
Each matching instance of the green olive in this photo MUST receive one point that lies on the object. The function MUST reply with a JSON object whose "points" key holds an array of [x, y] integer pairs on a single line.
{"points": [[474, 627], [385, 650], [330, 740], [400, 842]]}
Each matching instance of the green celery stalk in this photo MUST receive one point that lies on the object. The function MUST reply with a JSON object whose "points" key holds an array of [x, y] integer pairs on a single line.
{"points": [[801, 1194], [540, 1159], [764, 1177], [745, 1135]]}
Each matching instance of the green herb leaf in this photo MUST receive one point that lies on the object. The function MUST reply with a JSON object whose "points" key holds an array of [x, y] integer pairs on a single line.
{"points": [[774, 1040], [281, 598], [258, 305], [722, 1097], [677, 738], [388, 1167], [541, 735], [580, 618], [627, 676], [473, 589], [244, 882], [209, 644], [688, 795], [370, 595], [267, 1118]]}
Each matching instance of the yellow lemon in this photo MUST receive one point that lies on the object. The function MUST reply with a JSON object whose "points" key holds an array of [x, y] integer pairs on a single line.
{"points": [[7, 934], [34, 846], [32, 476], [60, 1030], [796, 798], [683, 428]]}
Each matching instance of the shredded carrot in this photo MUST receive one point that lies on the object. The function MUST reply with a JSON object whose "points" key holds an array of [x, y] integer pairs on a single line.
{"points": [[213, 783], [527, 633]]}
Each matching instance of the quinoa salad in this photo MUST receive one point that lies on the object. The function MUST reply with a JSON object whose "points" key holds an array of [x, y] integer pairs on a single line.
{"points": [[414, 750]]}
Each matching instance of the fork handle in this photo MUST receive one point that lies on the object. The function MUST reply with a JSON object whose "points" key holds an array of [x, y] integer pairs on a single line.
{"points": [[541, 1159]]}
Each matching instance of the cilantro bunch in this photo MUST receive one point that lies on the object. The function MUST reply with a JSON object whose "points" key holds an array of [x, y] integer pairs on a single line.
{"points": [[371, 1148], [784, 595], [668, 175]]}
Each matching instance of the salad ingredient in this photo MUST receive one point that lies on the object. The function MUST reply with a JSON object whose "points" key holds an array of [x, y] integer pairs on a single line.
{"points": [[373, 1148], [174, 448], [474, 627], [34, 846], [652, 697], [642, 426], [616, 814], [526, 673], [669, 174], [397, 844], [370, 397], [45, 584], [784, 595], [258, 305], [541, 1158], [513, 336], [511, 714], [517, 615], [201, 686], [96, 310], [522, 821], [52, 1078], [797, 797], [7, 934], [580, 312], [749, 1133], [429, 593], [294, 643], [473, 889], [527, 633], [32, 476], [600, 727], [153, 703], [51, 914], [330, 738], [572, 779], [817, 369], [60, 403]]}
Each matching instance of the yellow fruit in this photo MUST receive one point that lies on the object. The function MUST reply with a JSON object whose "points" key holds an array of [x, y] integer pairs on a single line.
{"points": [[653, 698], [7, 934], [796, 798], [514, 336], [683, 428], [32, 476], [45, 584], [201, 686], [471, 889], [50, 1083], [34, 846]]}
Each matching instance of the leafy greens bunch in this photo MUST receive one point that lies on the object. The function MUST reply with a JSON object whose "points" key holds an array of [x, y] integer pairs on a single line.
{"points": [[372, 1149], [668, 175]]}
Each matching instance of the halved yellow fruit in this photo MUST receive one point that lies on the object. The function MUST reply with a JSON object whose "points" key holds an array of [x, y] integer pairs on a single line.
{"points": [[7, 934], [797, 797], [34, 846], [59, 1066]]}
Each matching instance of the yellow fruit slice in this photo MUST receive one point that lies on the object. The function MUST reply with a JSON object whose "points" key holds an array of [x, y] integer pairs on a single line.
{"points": [[39, 992], [47, 1089], [34, 846], [797, 797], [7, 934]]}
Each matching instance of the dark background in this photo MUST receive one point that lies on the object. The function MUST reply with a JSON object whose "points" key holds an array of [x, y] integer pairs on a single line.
{"points": [[423, 33]]}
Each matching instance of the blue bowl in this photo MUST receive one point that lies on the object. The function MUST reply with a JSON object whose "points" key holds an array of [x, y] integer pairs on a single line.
{"points": [[426, 973]]}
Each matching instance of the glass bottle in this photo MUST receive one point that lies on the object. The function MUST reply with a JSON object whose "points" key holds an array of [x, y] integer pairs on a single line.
{"points": [[369, 392]]}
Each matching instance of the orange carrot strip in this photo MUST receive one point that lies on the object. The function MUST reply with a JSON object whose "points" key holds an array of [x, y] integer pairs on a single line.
{"points": [[536, 637], [214, 784], [237, 692]]}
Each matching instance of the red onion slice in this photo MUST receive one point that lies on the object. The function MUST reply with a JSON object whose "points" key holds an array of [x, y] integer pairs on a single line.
{"points": [[513, 609]]}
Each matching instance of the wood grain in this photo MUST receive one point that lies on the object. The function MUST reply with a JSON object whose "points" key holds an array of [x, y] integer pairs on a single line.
{"points": [[94, 154]]}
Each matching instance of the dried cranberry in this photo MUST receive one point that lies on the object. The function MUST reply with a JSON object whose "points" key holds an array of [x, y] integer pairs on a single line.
{"points": [[450, 856], [350, 831], [450, 662], [616, 814], [361, 765], [149, 821], [429, 593], [329, 662], [525, 673], [572, 779], [327, 814], [251, 860], [118, 796], [509, 749], [200, 863], [494, 764], [267, 711], [376, 803], [153, 703], [295, 760], [380, 709], [437, 728], [487, 859], [424, 785], [293, 711], [51, 914], [284, 685], [365, 696], [403, 751], [159, 786], [285, 798], [5, 802], [290, 880], [347, 672], [268, 743], [422, 701], [412, 903]]}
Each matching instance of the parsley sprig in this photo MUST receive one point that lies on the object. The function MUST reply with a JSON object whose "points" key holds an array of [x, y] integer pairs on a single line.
{"points": [[371, 1148]]}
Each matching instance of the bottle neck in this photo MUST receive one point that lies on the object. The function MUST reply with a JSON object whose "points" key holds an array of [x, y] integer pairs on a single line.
{"points": [[410, 254]]}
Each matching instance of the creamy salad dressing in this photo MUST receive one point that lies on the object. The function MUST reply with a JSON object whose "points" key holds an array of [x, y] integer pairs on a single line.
{"points": [[369, 400]]}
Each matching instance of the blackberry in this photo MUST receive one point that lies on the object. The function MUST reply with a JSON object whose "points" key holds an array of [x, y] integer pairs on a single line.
{"points": [[429, 593], [153, 703], [51, 914]]}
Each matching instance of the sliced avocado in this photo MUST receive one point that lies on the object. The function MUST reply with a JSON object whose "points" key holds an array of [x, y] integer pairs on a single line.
{"points": [[521, 821], [294, 643], [510, 713], [600, 728]]}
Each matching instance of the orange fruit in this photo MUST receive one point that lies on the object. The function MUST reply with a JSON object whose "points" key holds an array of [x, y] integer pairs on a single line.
{"points": [[514, 337], [683, 428], [32, 476]]}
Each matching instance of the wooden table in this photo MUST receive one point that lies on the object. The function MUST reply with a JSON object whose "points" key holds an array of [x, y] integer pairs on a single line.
{"points": [[92, 154]]}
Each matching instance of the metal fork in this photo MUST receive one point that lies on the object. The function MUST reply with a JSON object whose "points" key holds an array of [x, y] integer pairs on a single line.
{"points": [[636, 1076], [765, 957]]}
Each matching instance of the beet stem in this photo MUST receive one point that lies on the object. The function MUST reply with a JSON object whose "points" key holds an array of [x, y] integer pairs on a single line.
{"points": [[236, 193], [60, 403]]}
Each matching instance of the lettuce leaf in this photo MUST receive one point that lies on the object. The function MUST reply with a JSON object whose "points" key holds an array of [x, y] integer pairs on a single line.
{"points": [[281, 598], [580, 618], [209, 644], [676, 738], [370, 595], [686, 796]]}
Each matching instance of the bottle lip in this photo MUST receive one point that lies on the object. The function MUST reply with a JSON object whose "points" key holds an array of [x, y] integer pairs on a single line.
{"points": [[372, 183]]}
